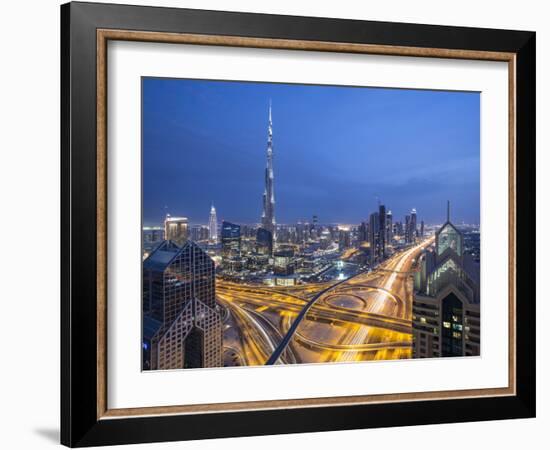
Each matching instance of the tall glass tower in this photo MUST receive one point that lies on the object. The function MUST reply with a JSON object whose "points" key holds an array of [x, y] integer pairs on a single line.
{"points": [[268, 214], [413, 225], [213, 225]]}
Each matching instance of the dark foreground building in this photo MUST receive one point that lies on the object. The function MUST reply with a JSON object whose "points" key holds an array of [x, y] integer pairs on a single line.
{"points": [[182, 325], [446, 319]]}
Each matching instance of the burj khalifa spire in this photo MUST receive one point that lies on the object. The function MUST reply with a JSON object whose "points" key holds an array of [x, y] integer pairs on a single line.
{"points": [[268, 214]]}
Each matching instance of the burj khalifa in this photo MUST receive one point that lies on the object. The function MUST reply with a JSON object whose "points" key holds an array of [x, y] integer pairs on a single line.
{"points": [[268, 214]]}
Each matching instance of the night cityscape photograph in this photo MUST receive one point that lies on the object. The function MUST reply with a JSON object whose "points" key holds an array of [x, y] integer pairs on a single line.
{"points": [[300, 224]]}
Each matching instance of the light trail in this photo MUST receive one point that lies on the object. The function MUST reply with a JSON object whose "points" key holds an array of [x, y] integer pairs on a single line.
{"points": [[360, 336], [376, 326]]}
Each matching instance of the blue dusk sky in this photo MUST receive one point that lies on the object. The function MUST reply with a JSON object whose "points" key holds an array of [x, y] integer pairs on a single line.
{"points": [[337, 150]]}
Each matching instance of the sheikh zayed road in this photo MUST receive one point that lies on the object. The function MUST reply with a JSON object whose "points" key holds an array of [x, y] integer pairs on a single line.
{"points": [[228, 294], [367, 316]]}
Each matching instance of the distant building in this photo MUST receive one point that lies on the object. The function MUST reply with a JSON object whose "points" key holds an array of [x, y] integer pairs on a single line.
{"points": [[411, 231], [264, 242], [382, 231], [374, 238], [446, 312], [398, 229], [213, 225], [199, 233], [344, 238], [414, 228], [176, 229], [363, 232], [153, 234], [151, 237], [231, 240], [325, 239], [283, 262], [314, 228], [389, 227], [422, 229], [301, 232], [472, 242], [315, 221], [182, 326]]}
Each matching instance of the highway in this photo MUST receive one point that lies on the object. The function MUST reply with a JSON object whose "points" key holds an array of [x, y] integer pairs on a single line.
{"points": [[365, 317]]}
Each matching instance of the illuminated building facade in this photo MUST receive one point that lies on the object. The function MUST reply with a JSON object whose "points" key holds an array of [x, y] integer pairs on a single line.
{"points": [[344, 238], [176, 229], [378, 235], [363, 232], [182, 325], [389, 227], [374, 238], [199, 233], [151, 237], [264, 242], [414, 228], [446, 311], [213, 225], [382, 231], [268, 214], [231, 240], [283, 262]]}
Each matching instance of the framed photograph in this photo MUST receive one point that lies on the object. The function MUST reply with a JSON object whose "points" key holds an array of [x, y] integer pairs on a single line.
{"points": [[276, 224]]}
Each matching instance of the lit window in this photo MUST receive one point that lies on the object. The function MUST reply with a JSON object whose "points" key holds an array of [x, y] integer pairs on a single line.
{"points": [[446, 325], [423, 319]]}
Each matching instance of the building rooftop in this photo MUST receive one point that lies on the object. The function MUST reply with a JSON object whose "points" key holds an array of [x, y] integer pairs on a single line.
{"points": [[150, 327], [161, 257]]}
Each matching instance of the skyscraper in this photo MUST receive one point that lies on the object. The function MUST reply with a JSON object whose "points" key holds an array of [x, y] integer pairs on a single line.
{"points": [[268, 214], [231, 240], [264, 242], [176, 229], [344, 238], [213, 225], [374, 238], [414, 229], [446, 302], [382, 231], [199, 233], [389, 227], [363, 234], [182, 325], [315, 220]]}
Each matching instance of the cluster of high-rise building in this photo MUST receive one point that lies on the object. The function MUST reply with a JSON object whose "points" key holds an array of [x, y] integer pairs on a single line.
{"points": [[383, 234]]}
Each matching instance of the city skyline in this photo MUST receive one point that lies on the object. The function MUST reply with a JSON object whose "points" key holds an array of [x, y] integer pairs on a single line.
{"points": [[237, 196], [320, 291]]}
